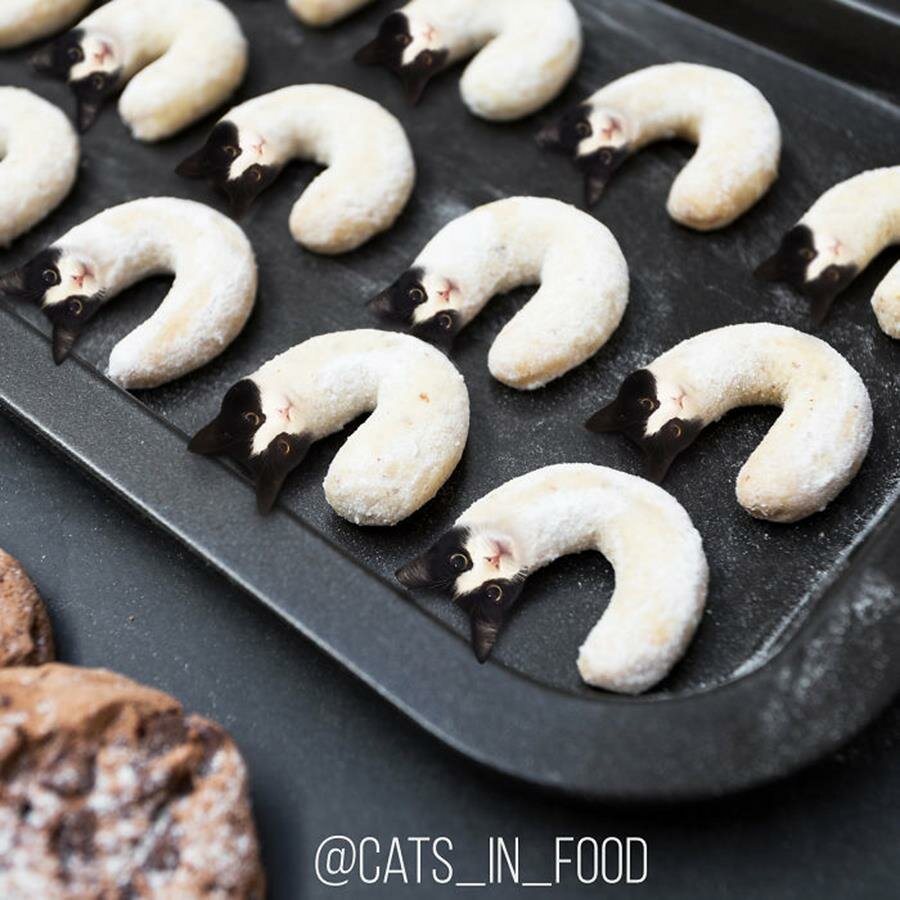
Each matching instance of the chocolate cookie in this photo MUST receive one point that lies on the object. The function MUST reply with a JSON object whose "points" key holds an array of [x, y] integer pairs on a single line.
{"points": [[109, 790], [26, 638]]}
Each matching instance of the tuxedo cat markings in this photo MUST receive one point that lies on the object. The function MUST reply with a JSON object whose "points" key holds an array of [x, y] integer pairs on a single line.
{"points": [[370, 167], [393, 464], [525, 51], [735, 129], [661, 571], [24, 21], [494, 248], [177, 60], [38, 160], [838, 236], [809, 455], [205, 309]]}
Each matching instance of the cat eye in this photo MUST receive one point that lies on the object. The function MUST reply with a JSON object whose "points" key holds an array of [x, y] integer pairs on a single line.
{"points": [[98, 82], [460, 561], [255, 174], [75, 54], [404, 40], [251, 418], [427, 58], [50, 276], [445, 321], [231, 151], [494, 593], [284, 446], [647, 403], [807, 253], [833, 275], [76, 306], [583, 129], [416, 294], [606, 157], [676, 430]]}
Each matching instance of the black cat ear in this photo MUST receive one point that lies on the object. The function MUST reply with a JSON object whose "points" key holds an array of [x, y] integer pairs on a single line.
{"points": [[416, 78], [63, 341], [417, 573], [594, 185], [280, 458], [382, 305], [484, 637], [657, 462], [605, 420], [13, 283], [86, 114], [820, 302], [769, 269], [43, 58], [195, 166], [549, 137], [209, 440], [371, 54]]}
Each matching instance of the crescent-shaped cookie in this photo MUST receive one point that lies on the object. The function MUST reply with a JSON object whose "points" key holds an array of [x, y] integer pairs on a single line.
{"points": [[735, 129], [178, 60], [838, 236], [26, 636], [206, 308], [494, 248], [24, 21], [319, 13], [532, 520], [38, 162], [525, 50], [394, 463], [809, 455], [369, 173]]}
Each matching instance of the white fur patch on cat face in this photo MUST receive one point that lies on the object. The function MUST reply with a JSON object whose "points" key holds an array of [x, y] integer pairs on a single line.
{"points": [[441, 293], [675, 402], [608, 129], [493, 557], [282, 416], [255, 151], [101, 54], [424, 37], [829, 251], [78, 276]]}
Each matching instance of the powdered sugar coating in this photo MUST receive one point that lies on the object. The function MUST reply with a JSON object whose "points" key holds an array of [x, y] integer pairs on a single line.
{"points": [[23, 21], [209, 302], [518, 241], [852, 223], [396, 461], [39, 153], [735, 129], [324, 12], [648, 538], [181, 59], [370, 167], [818, 442], [525, 50], [111, 790]]}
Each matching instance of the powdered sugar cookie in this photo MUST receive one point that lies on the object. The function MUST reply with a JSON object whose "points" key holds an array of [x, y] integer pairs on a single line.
{"points": [[23, 21], [206, 308], [735, 129], [809, 455], [179, 59], [582, 274], [370, 168], [111, 790], [324, 12], [525, 50], [394, 463], [532, 520], [840, 234], [39, 162]]}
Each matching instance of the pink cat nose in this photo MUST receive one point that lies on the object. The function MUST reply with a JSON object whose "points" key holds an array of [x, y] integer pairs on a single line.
{"points": [[104, 50]]}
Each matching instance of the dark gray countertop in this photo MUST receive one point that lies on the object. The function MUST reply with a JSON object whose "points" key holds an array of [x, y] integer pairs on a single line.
{"points": [[361, 768]]}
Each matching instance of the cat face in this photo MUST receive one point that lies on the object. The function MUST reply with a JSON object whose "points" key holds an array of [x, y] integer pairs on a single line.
{"points": [[811, 264], [410, 47], [257, 433], [595, 138], [425, 303], [660, 417], [90, 63], [66, 286], [481, 571], [239, 162]]}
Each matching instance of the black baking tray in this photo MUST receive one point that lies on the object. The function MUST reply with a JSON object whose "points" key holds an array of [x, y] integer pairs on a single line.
{"points": [[797, 649]]}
